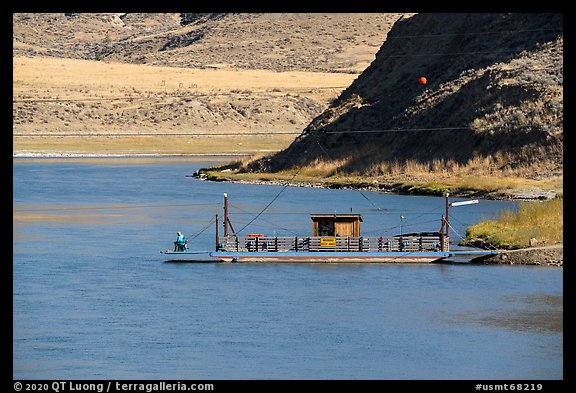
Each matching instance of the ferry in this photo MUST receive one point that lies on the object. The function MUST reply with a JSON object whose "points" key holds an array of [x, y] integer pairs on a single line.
{"points": [[335, 238]]}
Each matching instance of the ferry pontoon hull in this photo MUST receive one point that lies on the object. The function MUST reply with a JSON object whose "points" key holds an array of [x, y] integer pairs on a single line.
{"points": [[330, 257]]}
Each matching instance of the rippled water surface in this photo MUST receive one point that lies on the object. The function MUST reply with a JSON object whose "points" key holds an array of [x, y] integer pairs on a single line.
{"points": [[93, 297]]}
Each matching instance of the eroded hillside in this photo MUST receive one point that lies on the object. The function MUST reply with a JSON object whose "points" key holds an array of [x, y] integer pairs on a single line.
{"points": [[493, 101], [320, 42], [80, 74]]}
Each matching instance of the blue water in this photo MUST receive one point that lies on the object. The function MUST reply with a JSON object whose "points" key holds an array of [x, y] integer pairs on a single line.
{"points": [[93, 297]]}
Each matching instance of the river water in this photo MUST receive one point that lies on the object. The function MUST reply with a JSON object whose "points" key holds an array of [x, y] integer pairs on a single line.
{"points": [[94, 298]]}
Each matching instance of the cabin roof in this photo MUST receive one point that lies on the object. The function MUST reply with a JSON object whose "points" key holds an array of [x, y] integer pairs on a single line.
{"points": [[347, 217]]}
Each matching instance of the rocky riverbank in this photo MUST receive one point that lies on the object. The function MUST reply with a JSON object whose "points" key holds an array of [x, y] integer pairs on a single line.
{"points": [[544, 256]]}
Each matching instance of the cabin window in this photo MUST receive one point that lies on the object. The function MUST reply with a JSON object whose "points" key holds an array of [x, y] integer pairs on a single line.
{"points": [[326, 228]]}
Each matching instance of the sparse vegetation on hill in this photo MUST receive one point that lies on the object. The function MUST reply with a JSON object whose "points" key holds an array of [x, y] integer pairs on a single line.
{"points": [[493, 103], [315, 42], [224, 75], [61, 104]]}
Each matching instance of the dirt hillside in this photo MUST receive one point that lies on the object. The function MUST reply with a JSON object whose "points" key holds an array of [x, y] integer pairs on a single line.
{"points": [[320, 42], [76, 75], [493, 100]]}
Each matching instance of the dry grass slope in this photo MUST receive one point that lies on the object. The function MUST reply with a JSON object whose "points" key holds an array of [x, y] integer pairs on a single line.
{"points": [[493, 102], [534, 224]]}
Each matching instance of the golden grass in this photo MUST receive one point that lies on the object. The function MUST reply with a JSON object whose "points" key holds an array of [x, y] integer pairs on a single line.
{"points": [[495, 183], [477, 176], [478, 167], [461, 184], [240, 144], [320, 169], [84, 79], [542, 221]]}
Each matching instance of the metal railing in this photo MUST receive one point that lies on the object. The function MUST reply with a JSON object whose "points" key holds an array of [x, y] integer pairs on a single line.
{"points": [[405, 243]]}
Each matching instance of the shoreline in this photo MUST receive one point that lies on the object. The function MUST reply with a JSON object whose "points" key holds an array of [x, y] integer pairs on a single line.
{"points": [[509, 194], [538, 256]]}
